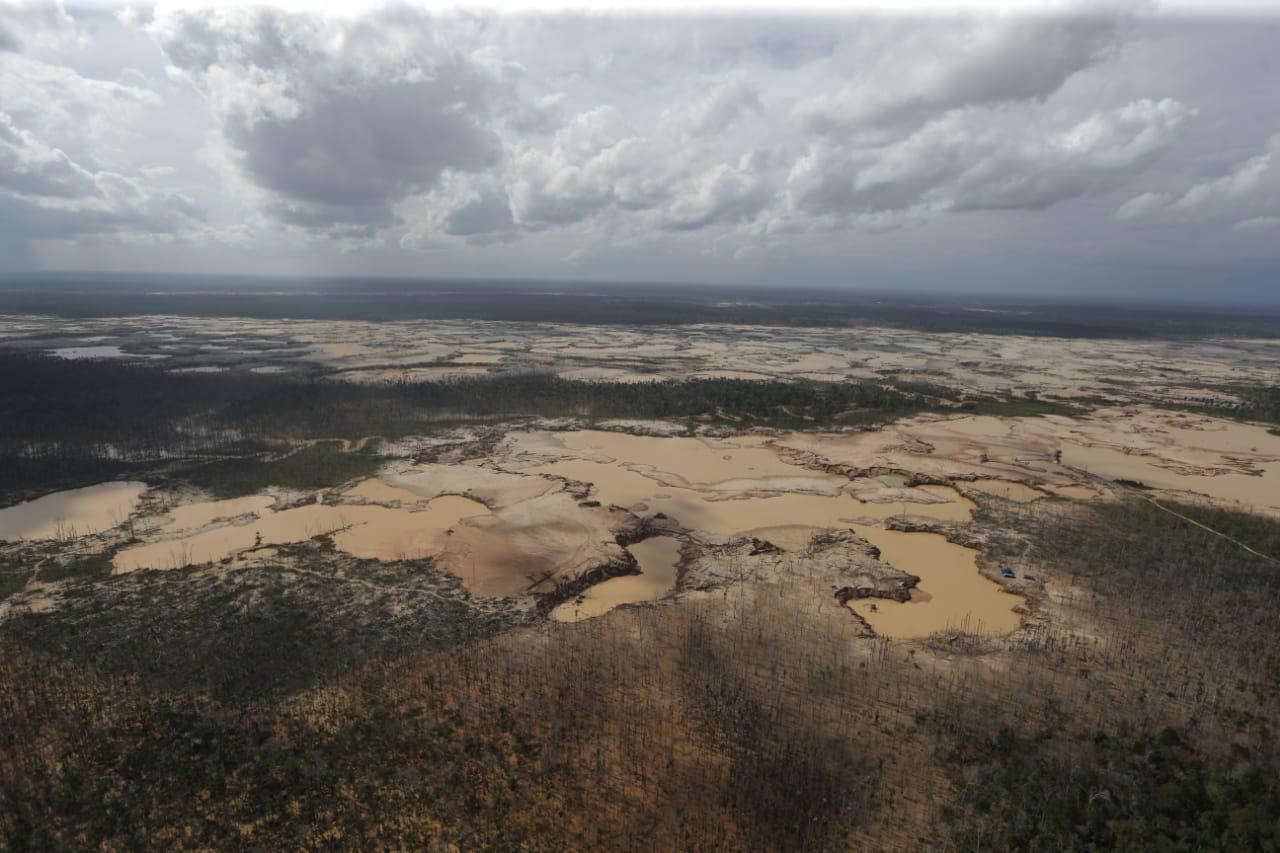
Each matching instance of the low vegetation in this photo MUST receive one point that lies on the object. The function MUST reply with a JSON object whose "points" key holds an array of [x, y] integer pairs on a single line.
{"points": [[264, 629], [316, 466], [69, 423], [998, 405], [1248, 403], [755, 720]]}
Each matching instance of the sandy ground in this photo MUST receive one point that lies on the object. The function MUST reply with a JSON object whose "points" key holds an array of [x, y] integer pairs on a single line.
{"points": [[423, 350], [544, 508], [547, 506]]}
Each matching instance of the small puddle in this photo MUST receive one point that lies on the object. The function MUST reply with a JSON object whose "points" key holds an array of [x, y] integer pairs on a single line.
{"points": [[1007, 489], [657, 558], [104, 351], [76, 512]]}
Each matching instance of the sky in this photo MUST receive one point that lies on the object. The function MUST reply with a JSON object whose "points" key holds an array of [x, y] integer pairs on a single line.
{"points": [[1114, 149]]}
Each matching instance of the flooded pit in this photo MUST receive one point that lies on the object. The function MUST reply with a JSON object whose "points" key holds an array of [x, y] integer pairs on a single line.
{"points": [[658, 559], [724, 489], [496, 488], [732, 374], [608, 374], [1257, 488], [1079, 493], [389, 534], [67, 514], [692, 460], [951, 595], [365, 531], [725, 516]]}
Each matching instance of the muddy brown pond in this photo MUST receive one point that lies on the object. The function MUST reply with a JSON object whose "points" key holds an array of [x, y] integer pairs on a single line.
{"points": [[657, 557], [76, 512], [368, 531], [515, 522]]}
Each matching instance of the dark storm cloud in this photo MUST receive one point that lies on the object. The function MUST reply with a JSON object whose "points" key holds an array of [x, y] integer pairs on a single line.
{"points": [[369, 146], [340, 125]]}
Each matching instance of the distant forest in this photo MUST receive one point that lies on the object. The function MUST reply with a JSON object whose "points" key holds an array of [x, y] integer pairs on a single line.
{"points": [[83, 295]]}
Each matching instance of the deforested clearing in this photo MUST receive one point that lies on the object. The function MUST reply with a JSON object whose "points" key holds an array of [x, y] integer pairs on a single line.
{"points": [[461, 429]]}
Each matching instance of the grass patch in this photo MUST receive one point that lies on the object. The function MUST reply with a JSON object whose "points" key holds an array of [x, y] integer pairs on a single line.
{"points": [[259, 632], [1133, 484], [9, 584], [1259, 532], [90, 566], [1020, 407]]}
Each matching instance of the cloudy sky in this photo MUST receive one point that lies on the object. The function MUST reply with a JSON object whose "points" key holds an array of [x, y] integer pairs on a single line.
{"points": [[1089, 149]]}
